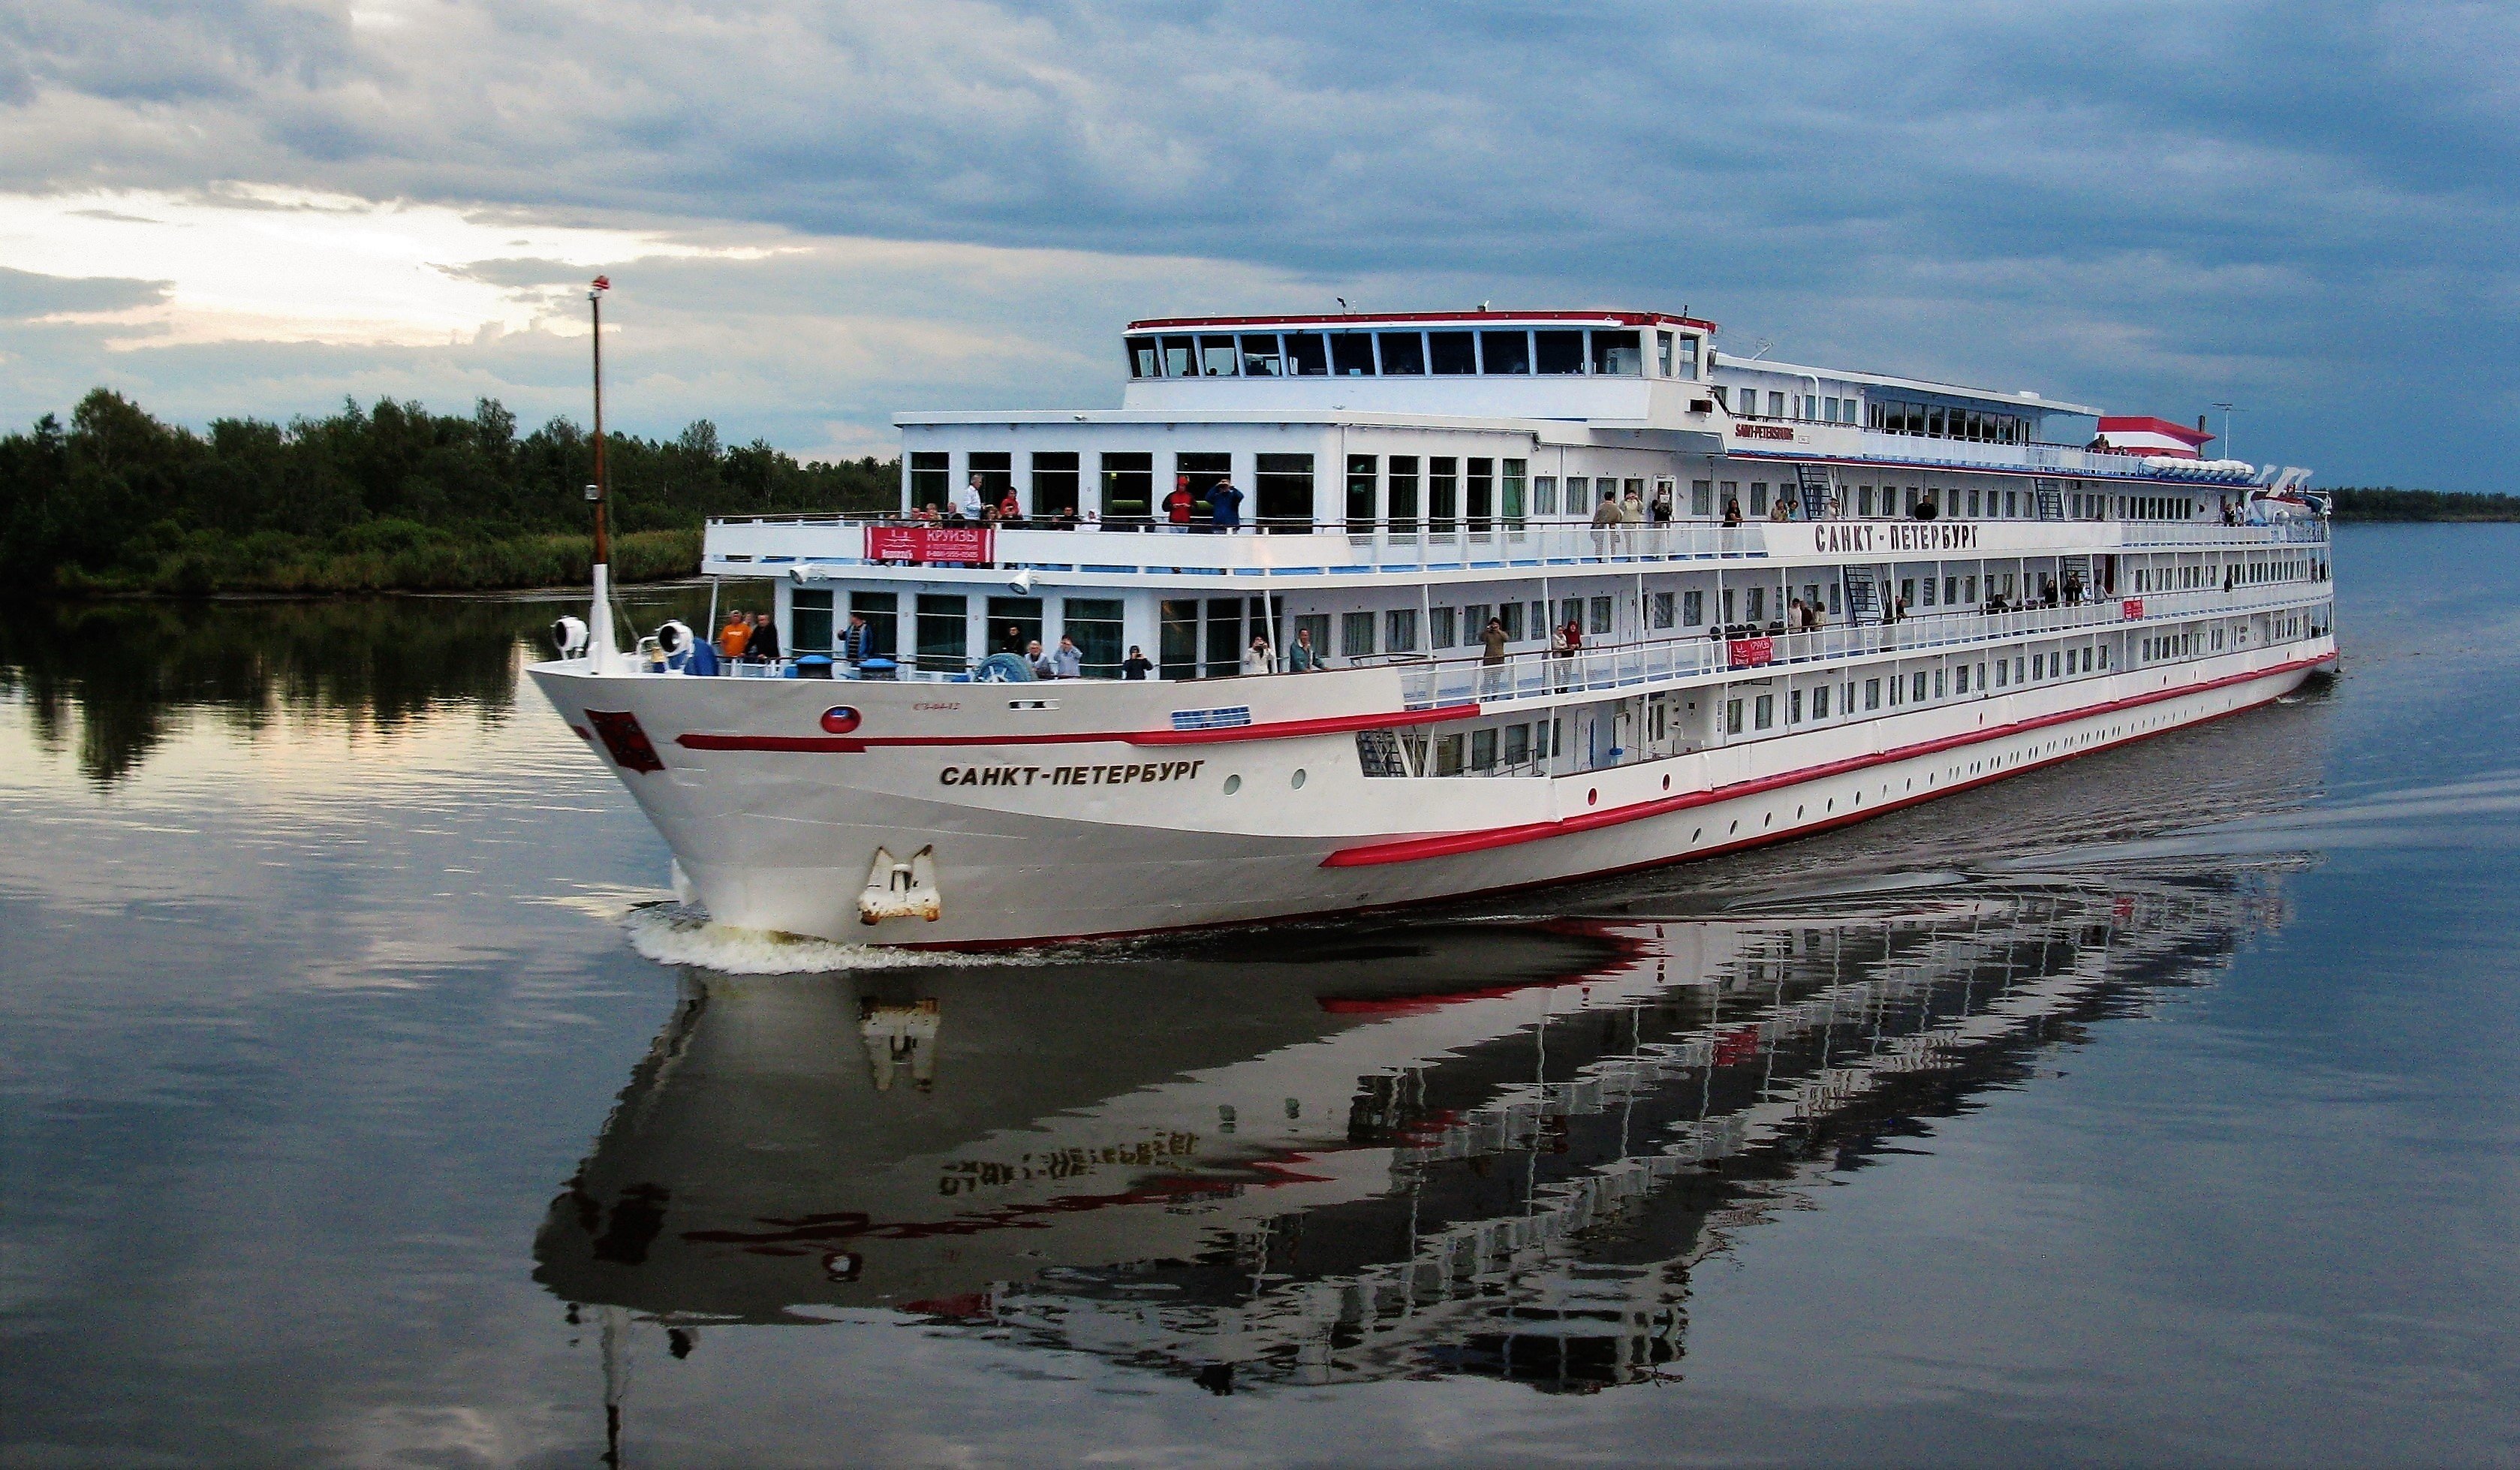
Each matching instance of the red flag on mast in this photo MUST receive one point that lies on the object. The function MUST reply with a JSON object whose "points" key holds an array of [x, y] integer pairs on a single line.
{"points": [[603, 283]]}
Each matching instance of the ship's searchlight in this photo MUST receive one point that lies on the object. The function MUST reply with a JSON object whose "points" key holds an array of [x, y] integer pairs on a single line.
{"points": [[570, 635]]}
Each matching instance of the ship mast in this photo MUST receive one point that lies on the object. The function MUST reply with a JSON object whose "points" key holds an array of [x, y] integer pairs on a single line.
{"points": [[599, 624]]}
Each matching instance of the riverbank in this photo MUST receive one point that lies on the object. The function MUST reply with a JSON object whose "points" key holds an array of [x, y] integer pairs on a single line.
{"points": [[2388, 503], [387, 557]]}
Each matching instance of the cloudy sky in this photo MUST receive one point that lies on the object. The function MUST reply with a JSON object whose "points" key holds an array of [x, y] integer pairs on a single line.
{"points": [[816, 216]]}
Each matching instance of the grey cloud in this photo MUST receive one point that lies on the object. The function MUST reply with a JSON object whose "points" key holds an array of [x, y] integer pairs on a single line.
{"points": [[24, 293]]}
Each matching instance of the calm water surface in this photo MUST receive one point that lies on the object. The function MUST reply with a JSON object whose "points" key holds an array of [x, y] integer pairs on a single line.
{"points": [[2161, 1108]]}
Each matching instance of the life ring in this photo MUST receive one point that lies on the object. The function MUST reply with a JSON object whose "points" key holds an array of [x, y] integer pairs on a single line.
{"points": [[1003, 669]]}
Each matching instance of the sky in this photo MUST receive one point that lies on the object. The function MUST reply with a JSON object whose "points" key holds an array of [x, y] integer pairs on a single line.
{"points": [[818, 216]]}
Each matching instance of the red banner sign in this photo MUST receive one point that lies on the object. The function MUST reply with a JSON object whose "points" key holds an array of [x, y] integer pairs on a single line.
{"points": [[932, 543], [2132, 609], [1750, 653]]}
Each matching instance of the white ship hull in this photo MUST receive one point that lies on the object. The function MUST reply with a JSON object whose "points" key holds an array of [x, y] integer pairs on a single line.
{"points": [[1095, 818]]}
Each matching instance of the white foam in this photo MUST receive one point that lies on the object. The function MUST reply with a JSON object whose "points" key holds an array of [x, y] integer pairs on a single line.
{"points": [[680, 933]]}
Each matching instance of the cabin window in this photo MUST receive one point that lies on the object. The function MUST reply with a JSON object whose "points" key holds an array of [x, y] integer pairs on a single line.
{"points": [[1483, 750], [1701, 498], [1439, 629], [1776, 405], [1360, 493], [1094, 623], [1693, 609], [1451, 353], [1404, 354], [1284, 486], [944, 632], [931, 473], [1404, 491], [1177, 639], [1828, 407], [1600, 608], [1617, 354], [1199, 473], [1356, 635], [1307, 355], [882, 613], [1663, 609], [1128, 483], [1732, 717], [1793, 707], [1688, 358], [1216, 358], [1400, 630], [1448, 756], [1758, 598], [1260, 357], [1820, 702], [1758, 497], [1558, 353], [1143, 359], [1181, 357], [809, 621], [1443, 491], [1480, 483], [1544, 495], [1014, 624], [1871, 694], [995, 471], [1762, 712], [1517, 743], [1054, 484], [1352, 355], [1509, 477], [1917, 687], [1662, 353], [1505, 352]]}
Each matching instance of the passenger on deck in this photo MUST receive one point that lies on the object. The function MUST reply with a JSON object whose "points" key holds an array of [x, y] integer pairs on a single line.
{"points": [[926, 515], [1492, 642], [1136, 667], [1731, 511], [1303, 658], [1783, 509], [1013, 641], [1259, 657], [971, 500], [857, 640], [1068, 660], [763, 646], [1607, 518], [1041, 667], [1662, 507], [732, 637], [1177, 504], [1224, 507]]}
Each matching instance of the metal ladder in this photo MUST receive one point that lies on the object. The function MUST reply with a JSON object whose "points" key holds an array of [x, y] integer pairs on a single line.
{"points": [[2051, 498], [1859, 603], [1815, 488]]}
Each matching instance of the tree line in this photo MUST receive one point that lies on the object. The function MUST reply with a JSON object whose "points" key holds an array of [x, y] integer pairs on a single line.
{"points": [[390, 496], [2389, 503]]}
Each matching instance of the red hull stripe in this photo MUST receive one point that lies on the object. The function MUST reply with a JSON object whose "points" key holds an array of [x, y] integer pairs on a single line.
{"points": [[1416, 849], [1285, 729]]}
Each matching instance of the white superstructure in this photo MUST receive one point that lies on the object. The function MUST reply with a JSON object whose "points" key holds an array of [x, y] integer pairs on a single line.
{"points": [[1991, 585]]}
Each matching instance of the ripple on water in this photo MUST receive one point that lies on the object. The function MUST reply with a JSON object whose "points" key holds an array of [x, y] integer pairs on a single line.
{"points": [[680, 933]]}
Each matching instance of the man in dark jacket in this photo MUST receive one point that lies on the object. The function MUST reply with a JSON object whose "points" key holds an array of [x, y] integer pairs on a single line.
{"points": [[763, 646]]}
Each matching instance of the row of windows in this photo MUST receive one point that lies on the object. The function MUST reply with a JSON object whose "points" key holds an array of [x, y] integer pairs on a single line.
{"points": [[1282, 487], [1405, 353], [1940, 421], [1477, 488], [1744, 403], [1915, 687]]}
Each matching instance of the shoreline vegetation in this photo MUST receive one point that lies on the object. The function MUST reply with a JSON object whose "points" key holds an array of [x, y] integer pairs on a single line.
{"points": [[393, 498]]}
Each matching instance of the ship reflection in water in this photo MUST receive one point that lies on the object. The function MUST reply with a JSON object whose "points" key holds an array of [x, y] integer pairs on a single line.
{"points": [[1485, 1149]]}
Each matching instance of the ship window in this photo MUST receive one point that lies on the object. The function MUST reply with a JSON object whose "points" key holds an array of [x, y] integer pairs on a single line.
{"points": [[1356, 634], [1701, 498], [1504, 351], [882, 613], [1517, 743], [1451, 352], [1732, 717], [1400, 630], [1820, 702], [809, 621], [1404, 491], [1177, 639], [1054, 483], [1260, 357], [1443, 491], [1544, 495], [1764, 713], [1128, 483], [1360, 493], [1693, 609], [1758, 604], [1663, 609], [1181, 357], [1758, 497], [929, 475], [1307, 355], [1285, 483], [1448, 756], [1439, 627], [1143, 359], [1794, 707], [1688, 358], [1404, 354], [1617, 354], [944, 632], [995, 471], [1600, 610], [1216, 356], [1483, 750], [1776, 405], [1509, 478], [1560, 353], [1014, 624], [1481, 488], [1352, 355], [1662, 353], [1871, 694], [1094, 623]]}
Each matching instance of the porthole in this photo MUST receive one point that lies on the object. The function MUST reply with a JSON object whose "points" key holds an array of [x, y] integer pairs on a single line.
{"points": [[1593, 797], [1666, 783], [1297, 779], [1768, 819], [1696, 834], [1798, 813], [1233, 784], [1735, 827]]}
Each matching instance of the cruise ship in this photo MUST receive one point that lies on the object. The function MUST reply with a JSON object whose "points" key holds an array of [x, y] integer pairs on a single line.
{"points": [[1369, 611]]}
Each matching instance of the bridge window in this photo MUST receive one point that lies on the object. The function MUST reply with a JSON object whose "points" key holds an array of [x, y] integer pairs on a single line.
{"points": [[1260, 357], [1560, 353], [1504, 351], [1181, 357], [1688, 357], [1451, 353], [1352, 355], [1143, 359], [1617, 354], [1307, 355], [1216, 356], [1404, 354]]}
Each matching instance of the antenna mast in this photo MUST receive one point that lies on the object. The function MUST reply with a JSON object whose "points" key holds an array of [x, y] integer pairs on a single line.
{"points": [[599, 624]]}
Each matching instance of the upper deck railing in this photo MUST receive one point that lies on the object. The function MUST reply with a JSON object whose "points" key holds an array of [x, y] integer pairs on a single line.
{"points": [[826, 544]]}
